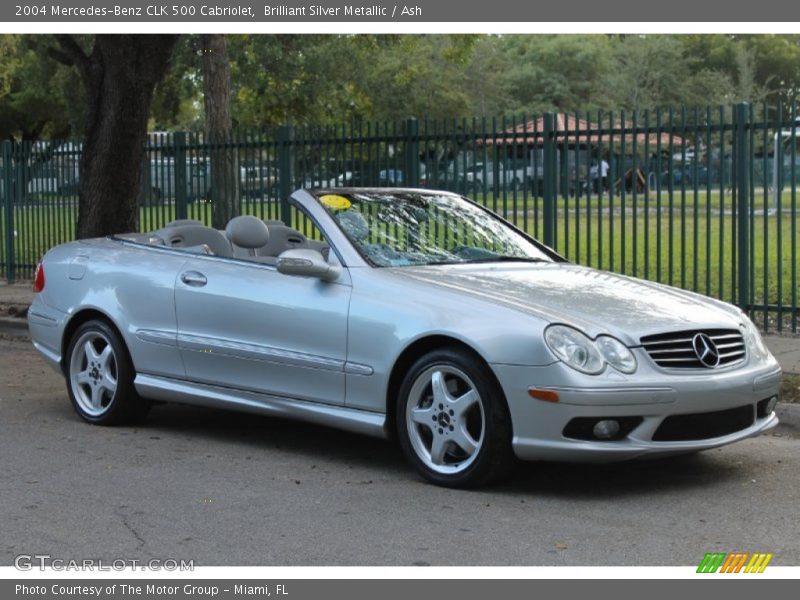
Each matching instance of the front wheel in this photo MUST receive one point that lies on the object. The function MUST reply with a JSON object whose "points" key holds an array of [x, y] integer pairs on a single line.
{"points": [[452, 420], [100, 376]]}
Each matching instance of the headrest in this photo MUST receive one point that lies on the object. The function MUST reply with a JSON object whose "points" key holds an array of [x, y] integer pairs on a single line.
{"points": [[247, 232], [354, 224]]}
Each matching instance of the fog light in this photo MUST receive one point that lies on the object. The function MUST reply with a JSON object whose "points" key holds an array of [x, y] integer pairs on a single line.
{"points": [[605, 429], [771, 404]]}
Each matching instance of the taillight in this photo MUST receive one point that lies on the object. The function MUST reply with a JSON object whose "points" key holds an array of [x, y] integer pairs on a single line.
{"points": [[38, 279]]}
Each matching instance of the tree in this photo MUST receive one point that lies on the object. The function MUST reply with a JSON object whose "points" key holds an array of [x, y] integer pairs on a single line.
{"points": [[177, 100], [485, 75], [557, 72], [119, 74], [299, 79], [217, 102], [758, 67], [777, 65], [37, 96], [747, 87], [652, 71], [419, 76]]}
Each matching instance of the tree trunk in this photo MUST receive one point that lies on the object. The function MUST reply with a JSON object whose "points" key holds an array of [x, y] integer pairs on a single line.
{"points": [[217, 100], [119, 76]]}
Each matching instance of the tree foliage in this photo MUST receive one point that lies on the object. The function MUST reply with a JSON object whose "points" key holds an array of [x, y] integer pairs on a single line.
{"points": [[39, 97], [319, 79], [557, 72]]}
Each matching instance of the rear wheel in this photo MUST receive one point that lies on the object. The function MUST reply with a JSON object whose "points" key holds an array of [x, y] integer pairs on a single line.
{"points": [[452, 420], [100, 376]]}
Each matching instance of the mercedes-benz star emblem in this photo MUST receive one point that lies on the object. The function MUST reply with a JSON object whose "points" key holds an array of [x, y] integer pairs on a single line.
{"points": [[706, 350]]}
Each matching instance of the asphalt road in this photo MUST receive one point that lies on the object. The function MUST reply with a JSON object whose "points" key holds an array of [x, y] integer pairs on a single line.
{"points": [[233, 489]]}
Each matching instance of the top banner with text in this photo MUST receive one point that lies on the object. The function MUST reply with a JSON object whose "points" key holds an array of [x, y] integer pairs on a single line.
{"points": [[465, 11]]}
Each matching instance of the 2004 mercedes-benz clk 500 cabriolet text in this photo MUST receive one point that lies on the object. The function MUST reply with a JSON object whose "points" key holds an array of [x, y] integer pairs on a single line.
{"points": [[410, 314]]}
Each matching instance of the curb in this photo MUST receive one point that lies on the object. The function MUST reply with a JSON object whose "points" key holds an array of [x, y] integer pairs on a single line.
{"points": [[14, 327]]}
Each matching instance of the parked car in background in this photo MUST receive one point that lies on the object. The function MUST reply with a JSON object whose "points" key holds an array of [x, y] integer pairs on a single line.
{"points": [[315, 179], [684, 156], [346, 178], [391, 177], [480, 174], [685, 174], [160, 179], [256, 180]]}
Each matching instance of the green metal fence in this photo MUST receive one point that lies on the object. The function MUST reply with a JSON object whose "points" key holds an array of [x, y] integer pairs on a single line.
{"points": [[704, 199]]}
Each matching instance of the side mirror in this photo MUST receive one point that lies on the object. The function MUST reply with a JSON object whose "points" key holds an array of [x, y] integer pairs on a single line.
{"points": [[306, 262]]}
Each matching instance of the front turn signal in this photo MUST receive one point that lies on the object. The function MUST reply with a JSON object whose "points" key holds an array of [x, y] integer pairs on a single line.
{"points": [[545, 395]]}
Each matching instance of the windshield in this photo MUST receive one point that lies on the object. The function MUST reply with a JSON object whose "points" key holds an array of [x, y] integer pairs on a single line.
{"points": [[414, 228]]}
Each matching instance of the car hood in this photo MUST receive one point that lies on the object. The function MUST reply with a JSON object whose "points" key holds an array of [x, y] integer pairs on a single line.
{"points": [[592, 300]]}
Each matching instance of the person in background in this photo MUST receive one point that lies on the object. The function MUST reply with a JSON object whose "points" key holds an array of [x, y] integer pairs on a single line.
{"points": [[604, 174]]}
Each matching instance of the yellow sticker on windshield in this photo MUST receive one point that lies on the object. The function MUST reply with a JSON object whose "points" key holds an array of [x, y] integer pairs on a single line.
{"points": [[335, 202]]}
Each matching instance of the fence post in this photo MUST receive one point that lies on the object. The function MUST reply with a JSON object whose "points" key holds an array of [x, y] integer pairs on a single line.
{"points": [[8, 197], [412, 153], [181, 181], [550, 174], [741, 117], [285, 171]]}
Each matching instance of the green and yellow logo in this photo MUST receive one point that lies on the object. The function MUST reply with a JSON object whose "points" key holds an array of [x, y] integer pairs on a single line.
{"points": [[734, 562]]}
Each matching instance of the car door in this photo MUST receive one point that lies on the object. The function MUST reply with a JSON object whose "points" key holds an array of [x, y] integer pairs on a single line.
{"points": [[246, 326]]}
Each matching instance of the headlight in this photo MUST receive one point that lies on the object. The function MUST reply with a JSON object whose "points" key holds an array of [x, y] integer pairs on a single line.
{"points": [[752, 338], [574, 348], [616, 353], [588, 356]]}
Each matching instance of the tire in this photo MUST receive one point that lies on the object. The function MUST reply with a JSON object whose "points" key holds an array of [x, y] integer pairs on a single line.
{"points": [[100, 377], [452, 420]]}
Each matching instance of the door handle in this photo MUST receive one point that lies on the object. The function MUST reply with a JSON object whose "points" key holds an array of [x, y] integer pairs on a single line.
{"points": [[194, 278]]}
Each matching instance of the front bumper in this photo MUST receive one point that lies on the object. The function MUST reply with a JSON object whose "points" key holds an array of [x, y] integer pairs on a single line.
{"points": [[650, 394]]}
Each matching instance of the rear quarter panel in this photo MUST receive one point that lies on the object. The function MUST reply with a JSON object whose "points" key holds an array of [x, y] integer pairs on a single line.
{"points": [[132, 285]]}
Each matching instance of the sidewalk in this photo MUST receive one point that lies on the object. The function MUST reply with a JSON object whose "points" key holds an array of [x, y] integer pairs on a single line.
{"points": [[786, 350], [14, 299]]}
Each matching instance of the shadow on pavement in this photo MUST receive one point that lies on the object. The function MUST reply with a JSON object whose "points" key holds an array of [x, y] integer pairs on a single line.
{"points": [[566, 480]]}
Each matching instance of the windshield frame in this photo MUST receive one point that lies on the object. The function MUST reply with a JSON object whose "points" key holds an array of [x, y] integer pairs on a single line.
{"points": [[319, 192]]}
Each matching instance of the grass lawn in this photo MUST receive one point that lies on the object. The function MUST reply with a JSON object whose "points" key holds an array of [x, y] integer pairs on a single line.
{"points": [[714, 199]]}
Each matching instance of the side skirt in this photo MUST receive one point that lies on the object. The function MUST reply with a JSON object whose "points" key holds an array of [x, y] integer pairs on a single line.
{"points": [[201, 394]]}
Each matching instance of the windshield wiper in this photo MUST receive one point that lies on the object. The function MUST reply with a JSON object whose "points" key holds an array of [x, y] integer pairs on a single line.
{"points": [[529, 259]]}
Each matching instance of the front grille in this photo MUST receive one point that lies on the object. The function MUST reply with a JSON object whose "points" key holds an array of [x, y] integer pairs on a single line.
{"points": [[702, 426], [675, 350]]}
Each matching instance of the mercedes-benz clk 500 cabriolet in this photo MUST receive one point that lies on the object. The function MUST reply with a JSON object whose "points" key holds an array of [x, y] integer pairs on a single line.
{"points": [[414, 315]]}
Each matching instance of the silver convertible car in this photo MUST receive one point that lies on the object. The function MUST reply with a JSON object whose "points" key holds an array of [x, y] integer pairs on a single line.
{"points": [[409, 314]]}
